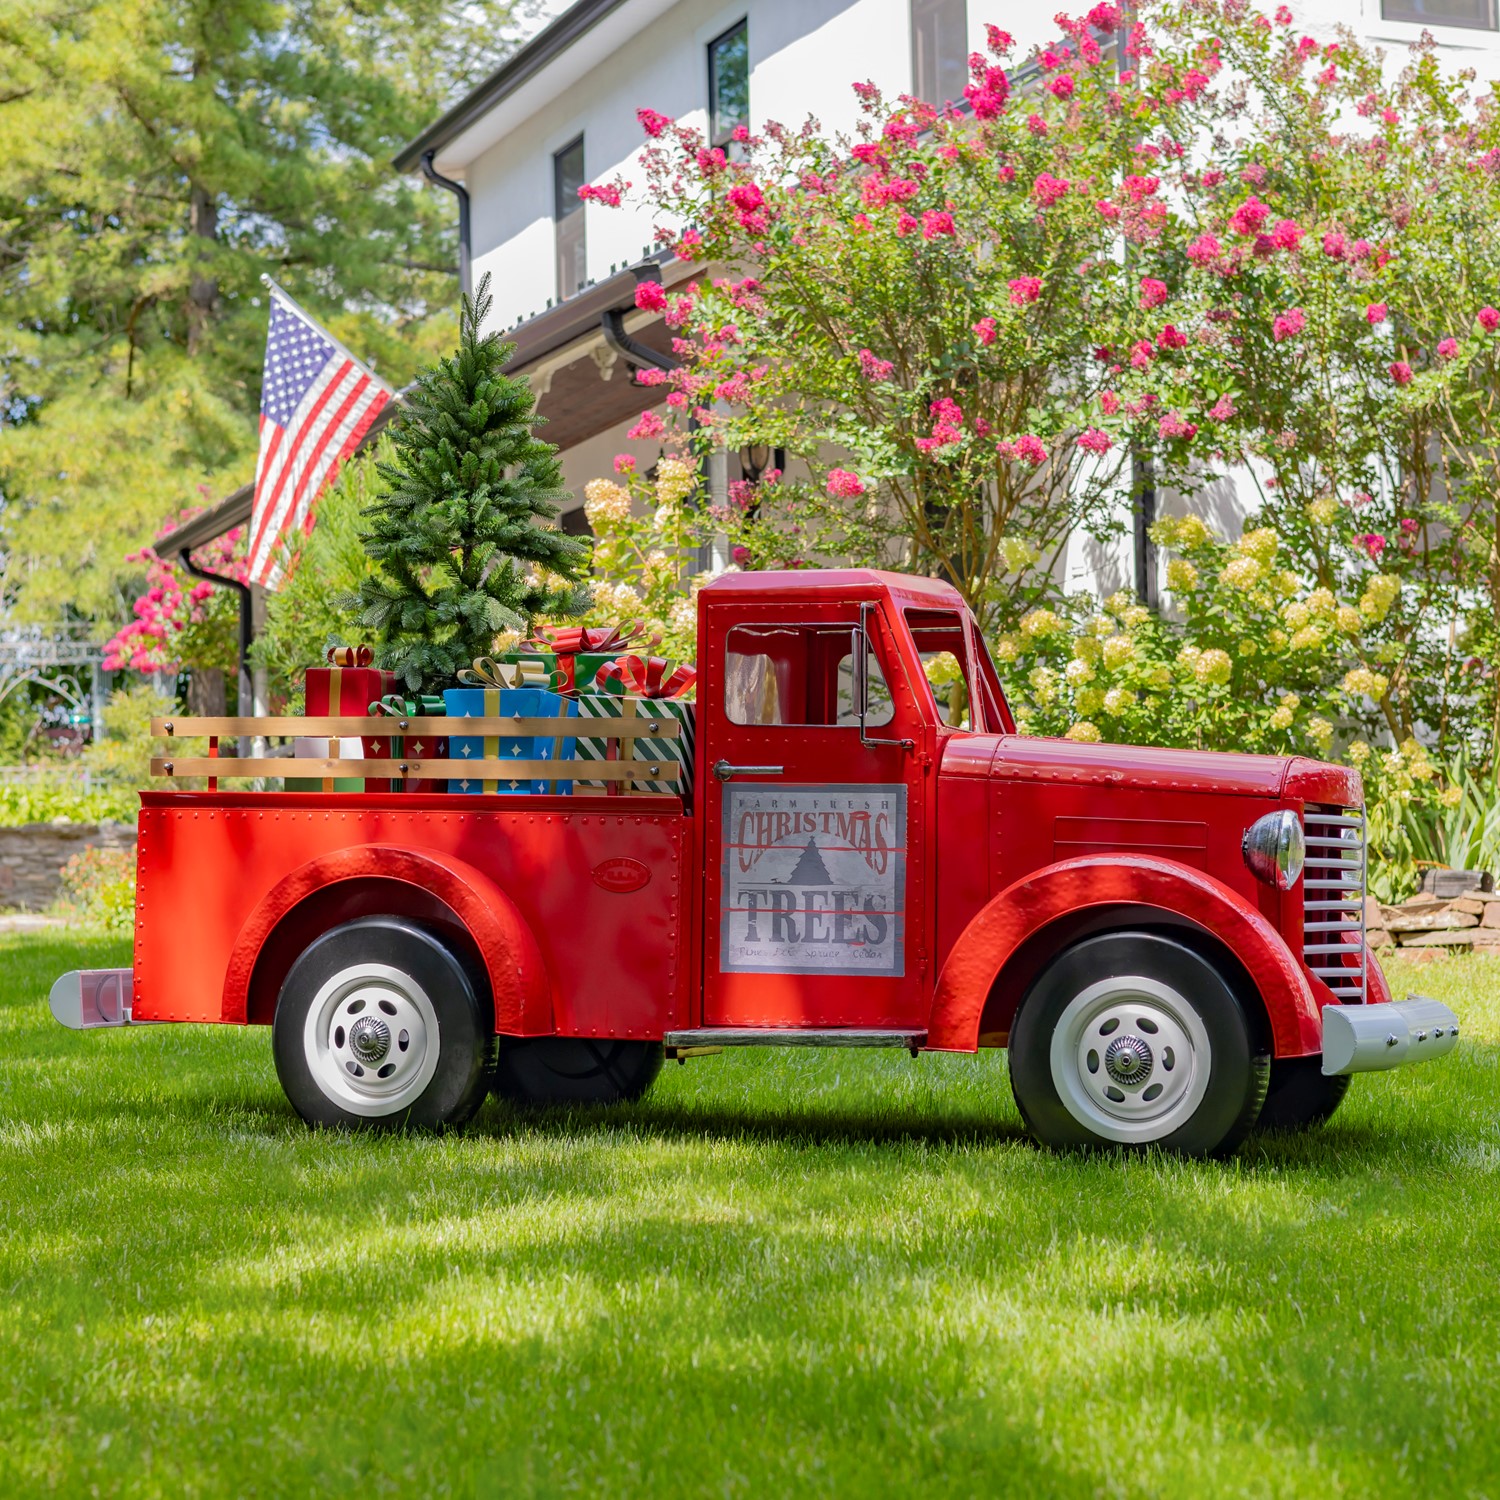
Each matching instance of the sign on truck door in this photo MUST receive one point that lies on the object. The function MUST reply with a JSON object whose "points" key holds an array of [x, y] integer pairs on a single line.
{"points": [[813, 833]]}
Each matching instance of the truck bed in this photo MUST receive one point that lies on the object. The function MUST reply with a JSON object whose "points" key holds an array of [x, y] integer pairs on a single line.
{"points": [[602, 883]]}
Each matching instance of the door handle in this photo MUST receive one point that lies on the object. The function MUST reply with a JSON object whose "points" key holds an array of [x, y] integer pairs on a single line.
{"points": [[725, 772]]}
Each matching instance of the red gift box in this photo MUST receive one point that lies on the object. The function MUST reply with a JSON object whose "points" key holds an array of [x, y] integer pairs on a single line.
{"points": [[346, 688]]}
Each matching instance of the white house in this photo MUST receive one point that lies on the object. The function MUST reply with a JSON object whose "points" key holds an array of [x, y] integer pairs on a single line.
{"points": [[561, 112]]}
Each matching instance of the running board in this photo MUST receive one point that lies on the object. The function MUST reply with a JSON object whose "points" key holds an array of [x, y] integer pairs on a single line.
{"points": [[792, 1036]]}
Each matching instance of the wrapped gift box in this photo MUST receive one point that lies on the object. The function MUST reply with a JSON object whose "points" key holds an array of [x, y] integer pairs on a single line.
{"points": [[347, 687], [651, 751], [525, 703], [418, 747], [314, 747]]}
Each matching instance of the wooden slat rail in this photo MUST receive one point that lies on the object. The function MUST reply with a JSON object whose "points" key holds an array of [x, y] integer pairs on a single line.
{"points": [[224, 767], [552, 729]]}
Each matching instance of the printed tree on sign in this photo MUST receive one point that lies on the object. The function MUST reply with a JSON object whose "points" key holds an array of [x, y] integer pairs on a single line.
{"points": [[463, 541]]}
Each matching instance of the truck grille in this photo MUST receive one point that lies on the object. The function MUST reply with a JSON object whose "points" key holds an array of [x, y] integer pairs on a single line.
{"points": [[1333, 899]]}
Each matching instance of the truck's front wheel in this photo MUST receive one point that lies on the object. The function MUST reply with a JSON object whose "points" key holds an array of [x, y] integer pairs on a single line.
{"points": [[378, 1025], [1134, 1039]]}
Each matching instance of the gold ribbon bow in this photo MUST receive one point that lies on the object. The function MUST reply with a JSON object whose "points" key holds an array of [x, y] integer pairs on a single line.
{"points": [[486, 672]]}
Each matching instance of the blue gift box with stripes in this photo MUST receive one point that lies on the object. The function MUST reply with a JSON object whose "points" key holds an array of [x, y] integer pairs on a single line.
{"points": [[521, 703]]}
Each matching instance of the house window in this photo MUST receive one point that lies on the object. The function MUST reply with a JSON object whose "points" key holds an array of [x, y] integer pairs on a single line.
{"points": [[728, 83], [572, 249], [1476, 15], [939, 50]]}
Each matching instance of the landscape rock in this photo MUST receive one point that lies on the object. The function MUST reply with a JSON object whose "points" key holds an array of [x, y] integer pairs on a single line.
{"points": [[1470, 904], [1378, 937], [1430, 921], [1438, 940], [1491, 917]]}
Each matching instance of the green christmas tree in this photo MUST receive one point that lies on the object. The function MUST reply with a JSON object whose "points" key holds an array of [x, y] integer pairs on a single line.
{"points": [[462, 541]]}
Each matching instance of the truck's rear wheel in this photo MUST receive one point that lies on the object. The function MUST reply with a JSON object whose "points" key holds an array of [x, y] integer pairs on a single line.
{"points": [[1134, 1039], [534, 1071], [378, 1026], [1299, 1095]]}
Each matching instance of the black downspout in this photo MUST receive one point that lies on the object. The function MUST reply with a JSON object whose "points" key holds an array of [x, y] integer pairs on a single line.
{"points": [[247, 626], [612, 324], [1143, 488], [459, 191]]}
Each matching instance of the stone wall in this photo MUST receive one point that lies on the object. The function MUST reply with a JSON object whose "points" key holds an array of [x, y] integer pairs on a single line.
{"points": [[32, 857]]}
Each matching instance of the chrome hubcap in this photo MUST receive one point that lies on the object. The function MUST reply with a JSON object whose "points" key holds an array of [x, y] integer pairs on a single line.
{"points": [[1130, 1059], [371, 1039]]}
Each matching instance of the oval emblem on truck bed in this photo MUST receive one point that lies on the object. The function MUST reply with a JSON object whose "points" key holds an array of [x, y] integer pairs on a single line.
{"points": [[621, 875]]}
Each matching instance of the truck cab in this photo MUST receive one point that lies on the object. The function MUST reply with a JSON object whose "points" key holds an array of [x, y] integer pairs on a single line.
{"points": [[1170, 943]]}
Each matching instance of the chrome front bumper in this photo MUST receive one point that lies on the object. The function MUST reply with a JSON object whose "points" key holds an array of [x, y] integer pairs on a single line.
{"points": [[1371, 1038]]}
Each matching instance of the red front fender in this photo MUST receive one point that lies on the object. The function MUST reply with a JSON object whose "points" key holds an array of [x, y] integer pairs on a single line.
{"points": [[517, 974], [1073, 886]]}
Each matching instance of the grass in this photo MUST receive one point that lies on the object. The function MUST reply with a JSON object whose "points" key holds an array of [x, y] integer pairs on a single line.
{"points": [[783, 1273]]}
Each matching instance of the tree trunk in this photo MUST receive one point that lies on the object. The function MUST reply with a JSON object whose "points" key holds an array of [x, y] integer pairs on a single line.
{"points": [[203, 291], [206, 697]]}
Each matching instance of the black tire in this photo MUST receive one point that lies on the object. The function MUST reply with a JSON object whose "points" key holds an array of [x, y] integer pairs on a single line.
{"points": [[538, 1071], [1172, 1000], [389, 973], [1299, 1095]]}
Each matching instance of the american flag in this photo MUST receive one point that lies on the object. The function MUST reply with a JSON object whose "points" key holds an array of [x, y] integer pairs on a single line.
{"points": [[316, 402]]}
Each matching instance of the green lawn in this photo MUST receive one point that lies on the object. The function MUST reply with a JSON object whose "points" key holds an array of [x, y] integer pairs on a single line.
{"points": [[783, 1273]]}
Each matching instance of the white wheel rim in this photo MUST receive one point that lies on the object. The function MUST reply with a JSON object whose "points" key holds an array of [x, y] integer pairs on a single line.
{"points": [[1130, 1059], [371, 1039]]}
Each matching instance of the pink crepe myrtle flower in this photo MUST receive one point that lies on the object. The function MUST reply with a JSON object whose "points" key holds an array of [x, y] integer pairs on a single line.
{"points": [[652, 122], [1109, 403], [1253, 175], [1062, 86], [624, 463], [741, 554], [937, 222], [649, 426], [1375, 314], [1249, 216], [1048, 189], [1141, 354], [999, 42], [1024, 290], [1400, 372], [1283, 16], [1222, 409], [651, 296], [1107, 210], [1036, 124], [607, 193], [1171, 337], [1203, 249], [1489, 319], [1288, 324], [1447, 348], [872, 367], [687, 247], [947, 410], [1373, 543], [1104, 17], [1287, 234], [1173, 425], [711, 161], [1360, 250], [843, 485], [987, 103], [1153, 292], [746, 196], [1335, 245], [984, 330], [1139, 187], [1026, 449], [904, 225], [1094, 441]]}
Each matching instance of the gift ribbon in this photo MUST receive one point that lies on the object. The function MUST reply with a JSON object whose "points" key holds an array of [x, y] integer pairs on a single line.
{"points": [[645, 677], [394, 706], [567, 642], [486, 672], [350, 656]]}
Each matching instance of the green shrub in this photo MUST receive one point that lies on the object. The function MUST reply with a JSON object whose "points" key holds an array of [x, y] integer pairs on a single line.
{"points": [[60, 797], [101, 887]]}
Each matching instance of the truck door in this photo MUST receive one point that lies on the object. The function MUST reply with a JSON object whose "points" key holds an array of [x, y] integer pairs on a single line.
{"points": [[814, 833]]}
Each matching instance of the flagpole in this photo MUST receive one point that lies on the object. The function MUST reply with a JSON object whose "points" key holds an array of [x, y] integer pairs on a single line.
{"points": [[302, 313]]}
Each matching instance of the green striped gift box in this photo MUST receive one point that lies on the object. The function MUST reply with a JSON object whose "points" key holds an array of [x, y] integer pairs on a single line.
{"points": [[602, 747]]}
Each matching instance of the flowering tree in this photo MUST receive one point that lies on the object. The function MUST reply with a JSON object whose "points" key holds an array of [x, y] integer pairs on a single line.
{"points": [[181, 621], [920, 318]]}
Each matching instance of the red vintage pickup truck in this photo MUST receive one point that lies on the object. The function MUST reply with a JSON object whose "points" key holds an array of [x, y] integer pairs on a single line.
{"points": [[1170, 943]]}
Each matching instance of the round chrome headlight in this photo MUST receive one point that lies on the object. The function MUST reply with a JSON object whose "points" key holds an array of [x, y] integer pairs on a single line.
{"points": [[1274, 849]]}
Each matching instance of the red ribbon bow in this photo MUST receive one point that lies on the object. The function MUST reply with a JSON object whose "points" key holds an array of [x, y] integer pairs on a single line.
{"points": [[648, 677], [566, 642], [350, 656]]}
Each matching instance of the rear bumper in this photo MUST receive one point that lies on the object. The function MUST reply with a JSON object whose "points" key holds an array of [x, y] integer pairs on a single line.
{"points": [[1372, 1038], [83, 999]]}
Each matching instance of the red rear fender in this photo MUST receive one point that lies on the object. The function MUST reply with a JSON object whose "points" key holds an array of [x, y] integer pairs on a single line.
{"points": [[375, 878], [1012, 938]]}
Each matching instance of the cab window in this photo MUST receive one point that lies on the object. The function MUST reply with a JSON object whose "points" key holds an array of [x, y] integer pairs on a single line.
{"points": [[943, 644], [799, 674]]}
